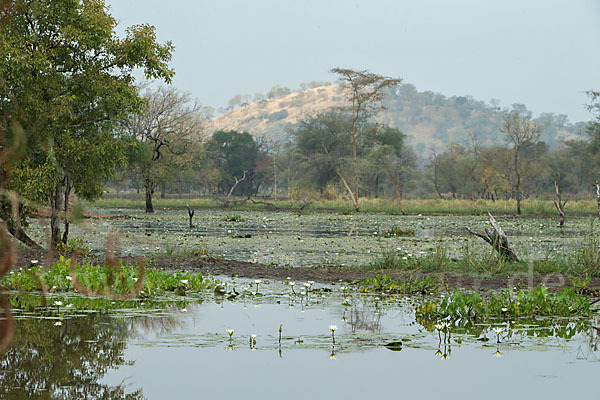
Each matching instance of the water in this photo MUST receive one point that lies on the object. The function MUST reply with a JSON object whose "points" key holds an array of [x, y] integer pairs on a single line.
{"points": [[182, 350]]}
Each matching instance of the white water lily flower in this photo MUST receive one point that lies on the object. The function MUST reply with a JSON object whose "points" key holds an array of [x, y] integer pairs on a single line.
{"points": [[57, 323], [439, 327], [332, 328], [69, 306], [183, 309], [257, 281], [58, 303], [498, 354], [504, 309], [311, 282], [307, 285], [184, 281], [498, 330], [34, 262], [253, 337], [292, 283], [68, 278]]}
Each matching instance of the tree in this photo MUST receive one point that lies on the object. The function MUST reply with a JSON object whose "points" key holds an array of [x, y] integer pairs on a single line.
{"points": [[522, 135], [389, 153], [66, 77], [163, 131], [364, 93], [323, 148], [237, 155]]}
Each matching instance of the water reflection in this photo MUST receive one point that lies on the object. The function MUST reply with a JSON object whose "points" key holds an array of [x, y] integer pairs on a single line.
{"points": [[66, 361]]}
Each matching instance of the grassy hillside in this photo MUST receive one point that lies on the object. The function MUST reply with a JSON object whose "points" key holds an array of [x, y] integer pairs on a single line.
{"points": [[429, 119]]}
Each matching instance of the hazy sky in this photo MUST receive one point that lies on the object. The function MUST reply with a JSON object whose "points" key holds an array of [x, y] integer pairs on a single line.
{"points": [[542, 53]]}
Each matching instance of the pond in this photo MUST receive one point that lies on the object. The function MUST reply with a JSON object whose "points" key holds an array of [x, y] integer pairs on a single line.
{"points": [[179, 348], [286, 239]]}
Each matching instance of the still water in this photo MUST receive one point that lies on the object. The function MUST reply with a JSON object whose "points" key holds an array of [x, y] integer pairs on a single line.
{"points": [[181, 350]]}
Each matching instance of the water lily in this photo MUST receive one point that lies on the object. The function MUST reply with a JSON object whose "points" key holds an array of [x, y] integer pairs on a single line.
{"points": [[58, 323], [184, 281], [184, 310], [68, 278], [332, 328], [58, 303], [69, 306], [34, 262], [498, 330], [230, 332], [498, 354], [257, 282]]}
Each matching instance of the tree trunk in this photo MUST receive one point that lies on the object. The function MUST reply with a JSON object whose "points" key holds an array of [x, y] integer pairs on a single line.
{"points": [[191, 216], [66, 220], [15, 229], [55, 205], [497, 239], [163, 190], [149, 187], [354, 199]]}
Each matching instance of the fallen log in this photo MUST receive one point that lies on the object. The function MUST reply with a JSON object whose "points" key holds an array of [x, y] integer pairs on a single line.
{"points": [[497, 239]]}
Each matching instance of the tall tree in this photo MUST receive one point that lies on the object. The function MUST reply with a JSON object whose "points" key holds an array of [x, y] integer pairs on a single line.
{"points": [[522, 135], [237, 155], [164, 129], [66, 77], [364, 92]]}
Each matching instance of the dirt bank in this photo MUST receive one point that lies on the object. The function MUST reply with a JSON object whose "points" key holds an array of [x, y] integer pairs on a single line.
{"points": [[318, 274]]}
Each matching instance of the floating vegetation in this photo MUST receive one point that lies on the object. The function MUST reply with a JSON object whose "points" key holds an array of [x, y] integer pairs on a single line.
{"points": [[233, 218], [396, 230], [411, 285]]}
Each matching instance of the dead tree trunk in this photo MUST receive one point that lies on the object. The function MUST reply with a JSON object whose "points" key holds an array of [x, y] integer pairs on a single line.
{"points": [[191, 215], [558, 203], [497, 239], [237, 182]]}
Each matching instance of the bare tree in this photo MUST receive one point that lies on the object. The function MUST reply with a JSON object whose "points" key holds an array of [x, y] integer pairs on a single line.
{"points": [[167, 125], [364, 94], [521, 133]]}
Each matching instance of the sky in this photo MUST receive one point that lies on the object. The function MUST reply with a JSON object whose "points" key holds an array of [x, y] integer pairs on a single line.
{"points": [[541, 53]]}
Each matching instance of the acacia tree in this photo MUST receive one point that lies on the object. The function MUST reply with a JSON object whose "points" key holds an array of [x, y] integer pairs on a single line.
{"points": [[363, 91], [164, 130], [66, 77], [522, 135]]}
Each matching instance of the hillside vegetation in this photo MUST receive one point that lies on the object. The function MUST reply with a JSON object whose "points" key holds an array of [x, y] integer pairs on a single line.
{"points": [[430, 120]]}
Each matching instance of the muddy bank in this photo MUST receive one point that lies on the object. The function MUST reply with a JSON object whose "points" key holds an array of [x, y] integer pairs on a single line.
{"points": [[324, 274]]}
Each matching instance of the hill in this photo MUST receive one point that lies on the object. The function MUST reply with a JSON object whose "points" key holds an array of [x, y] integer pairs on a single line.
{"points": [[430, 120]]}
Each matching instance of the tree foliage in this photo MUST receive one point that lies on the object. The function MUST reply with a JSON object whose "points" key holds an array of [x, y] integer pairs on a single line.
{"points": [[65, 78]]}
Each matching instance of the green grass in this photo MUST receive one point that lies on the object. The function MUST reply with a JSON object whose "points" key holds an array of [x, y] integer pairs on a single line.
{"points": [[530, 207]]}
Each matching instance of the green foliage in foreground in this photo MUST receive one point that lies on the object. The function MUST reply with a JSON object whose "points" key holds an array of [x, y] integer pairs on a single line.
{"points": [[98, 278], [505, 305]]}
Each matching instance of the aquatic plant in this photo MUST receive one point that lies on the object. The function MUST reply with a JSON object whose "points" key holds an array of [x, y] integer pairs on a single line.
{"points": [[98, 278], [396, 230], [333, 328], [233, 218], [505, 305], [230, 332], [410, 285]]}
